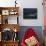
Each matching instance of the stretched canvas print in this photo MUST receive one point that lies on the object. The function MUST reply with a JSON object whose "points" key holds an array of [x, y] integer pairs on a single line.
{"points": [[30, 13]]}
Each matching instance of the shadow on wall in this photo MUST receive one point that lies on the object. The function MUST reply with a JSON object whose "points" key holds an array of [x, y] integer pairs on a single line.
{"points": [[37, 29]]}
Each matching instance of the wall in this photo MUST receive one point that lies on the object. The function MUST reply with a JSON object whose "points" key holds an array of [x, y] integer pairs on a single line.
{"points": [[27, 4], [32, 4]]}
